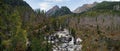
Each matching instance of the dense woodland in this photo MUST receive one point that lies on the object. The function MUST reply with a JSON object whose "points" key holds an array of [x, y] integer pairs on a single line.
{"points": [[99, 27]]}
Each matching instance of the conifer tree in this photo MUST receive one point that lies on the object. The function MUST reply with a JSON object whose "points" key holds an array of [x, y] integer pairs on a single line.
{"points": [[18, 35]]}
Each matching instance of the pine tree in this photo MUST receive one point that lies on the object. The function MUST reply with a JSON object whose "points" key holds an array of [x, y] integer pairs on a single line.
{"points": [[0, 43], [18, 35]]}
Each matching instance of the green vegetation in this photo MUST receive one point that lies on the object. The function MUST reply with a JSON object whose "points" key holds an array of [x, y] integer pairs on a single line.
{"points": [[98, 27], [23, 29], [19, 25], [106, 5], [105, 8]]}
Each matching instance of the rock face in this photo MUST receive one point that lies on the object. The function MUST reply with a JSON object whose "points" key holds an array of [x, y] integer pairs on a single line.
{"points": [[64, 41], [52, 10], [56, 11], [85, 7]]}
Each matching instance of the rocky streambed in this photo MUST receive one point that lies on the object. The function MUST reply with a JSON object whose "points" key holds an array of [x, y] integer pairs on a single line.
{"points": [[62, 40]]}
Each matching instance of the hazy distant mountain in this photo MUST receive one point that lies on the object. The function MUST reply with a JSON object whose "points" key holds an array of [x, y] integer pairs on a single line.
{"points": [[85, 7], [56, 11]]}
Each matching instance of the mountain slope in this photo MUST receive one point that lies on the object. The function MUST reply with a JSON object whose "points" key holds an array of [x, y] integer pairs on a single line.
{"points": [[56, 11], [16, 16], [25, 11], [105, 5], [105, 8], [98, 26], [18, 28], [52, 10], [85, 7]]}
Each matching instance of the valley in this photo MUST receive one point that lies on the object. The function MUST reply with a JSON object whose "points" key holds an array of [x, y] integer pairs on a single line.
{"points": [[90, 27]]}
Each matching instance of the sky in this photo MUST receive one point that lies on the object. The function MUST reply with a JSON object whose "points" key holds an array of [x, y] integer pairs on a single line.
{"points": [[71, 4]]}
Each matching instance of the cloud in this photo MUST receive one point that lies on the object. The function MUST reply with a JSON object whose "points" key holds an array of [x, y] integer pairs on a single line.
{"points": [[56, 0], [45, 5], [111, 0]]}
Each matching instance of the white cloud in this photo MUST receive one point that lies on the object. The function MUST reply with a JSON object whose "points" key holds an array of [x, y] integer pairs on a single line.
{"points": [[111, 0], [44, 5], [47, 4], [56, 0]]}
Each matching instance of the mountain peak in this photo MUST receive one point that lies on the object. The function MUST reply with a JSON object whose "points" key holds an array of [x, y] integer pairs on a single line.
{"points": [[52, 10], [56, 11], [55, 7], [95, 2]]}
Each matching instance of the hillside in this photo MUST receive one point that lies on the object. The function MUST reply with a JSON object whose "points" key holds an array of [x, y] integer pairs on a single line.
{"points": [[104, 8], [85, 7], [19, 25], [52, 11], [107, 6], [56, 11], [98, 27]]}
